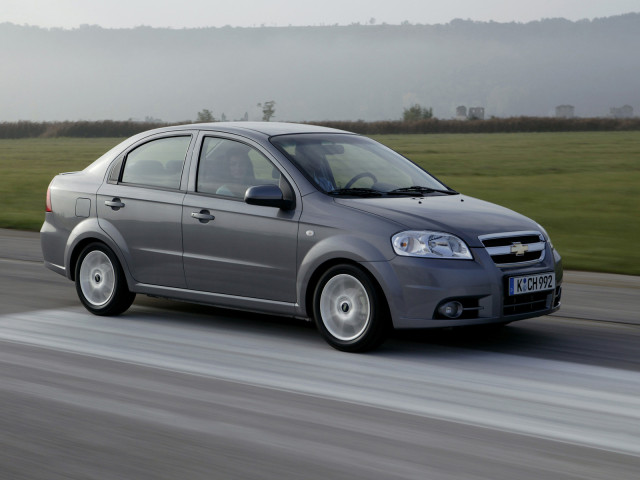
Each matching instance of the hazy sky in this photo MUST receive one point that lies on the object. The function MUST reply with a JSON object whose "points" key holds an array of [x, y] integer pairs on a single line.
{"points": [[245, 13]]}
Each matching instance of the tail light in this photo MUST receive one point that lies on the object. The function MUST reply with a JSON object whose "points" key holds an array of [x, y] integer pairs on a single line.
{"points": [[48, 204]]}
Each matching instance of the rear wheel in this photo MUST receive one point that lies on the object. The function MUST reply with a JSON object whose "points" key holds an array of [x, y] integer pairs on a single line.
{"points": [[348, 310], [100, 281]]}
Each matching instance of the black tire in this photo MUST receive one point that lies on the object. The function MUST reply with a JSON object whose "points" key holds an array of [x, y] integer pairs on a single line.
{"points": [[100, 281], [349, 312]]}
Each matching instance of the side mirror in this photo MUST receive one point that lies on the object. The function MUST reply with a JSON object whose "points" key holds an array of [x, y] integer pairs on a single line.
{"points": [[267, 196]]}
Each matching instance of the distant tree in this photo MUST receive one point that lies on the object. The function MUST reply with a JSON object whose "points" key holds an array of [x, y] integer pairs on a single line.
{"points": [[223, 117], [205, 116], [268, 110], [416, 112]]}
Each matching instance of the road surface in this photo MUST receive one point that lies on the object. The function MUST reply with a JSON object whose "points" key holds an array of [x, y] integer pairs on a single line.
{"points": [[177, 391]]}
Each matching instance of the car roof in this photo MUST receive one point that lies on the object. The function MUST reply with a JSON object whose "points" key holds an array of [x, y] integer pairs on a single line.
{"points": [[268, 129]]}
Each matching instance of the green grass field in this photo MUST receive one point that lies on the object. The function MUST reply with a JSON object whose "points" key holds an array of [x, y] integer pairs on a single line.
{"points": [[583, 187]]}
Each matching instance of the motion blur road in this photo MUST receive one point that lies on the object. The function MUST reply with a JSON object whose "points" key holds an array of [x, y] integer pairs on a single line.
{"points": [[177, 391]]}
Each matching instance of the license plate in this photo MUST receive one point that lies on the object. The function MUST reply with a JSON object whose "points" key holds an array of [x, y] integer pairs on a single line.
{"points": [[532, 283]]}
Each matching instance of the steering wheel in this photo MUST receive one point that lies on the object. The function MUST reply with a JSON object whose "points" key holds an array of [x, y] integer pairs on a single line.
{"points": [[359, 176]]}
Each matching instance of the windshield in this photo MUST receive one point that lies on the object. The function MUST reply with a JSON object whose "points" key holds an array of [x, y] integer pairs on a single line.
{"points": [[344, 164]]}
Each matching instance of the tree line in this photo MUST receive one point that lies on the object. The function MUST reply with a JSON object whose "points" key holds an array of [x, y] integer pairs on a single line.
{"points": [[493, 125], [113, 128], [80, 129]]}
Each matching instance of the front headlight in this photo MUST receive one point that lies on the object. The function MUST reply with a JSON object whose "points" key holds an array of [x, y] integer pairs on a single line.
{"points": [[416, 243]]}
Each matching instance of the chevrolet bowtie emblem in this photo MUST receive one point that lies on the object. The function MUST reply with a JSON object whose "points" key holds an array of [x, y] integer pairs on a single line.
{"points": [[519, 249]]}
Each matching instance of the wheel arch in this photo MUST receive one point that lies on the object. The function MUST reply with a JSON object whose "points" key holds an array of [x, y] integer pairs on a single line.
{"points": [[324, 267], [77, 250], [333, 249], [85, 234]]}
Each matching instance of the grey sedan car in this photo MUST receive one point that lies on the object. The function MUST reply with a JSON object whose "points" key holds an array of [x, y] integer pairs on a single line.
{"points": [[296, 220]]}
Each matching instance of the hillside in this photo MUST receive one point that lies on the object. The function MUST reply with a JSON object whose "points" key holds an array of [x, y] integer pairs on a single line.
{"points": [[320, 73]]}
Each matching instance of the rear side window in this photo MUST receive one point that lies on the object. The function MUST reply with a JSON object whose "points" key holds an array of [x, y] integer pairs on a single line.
{"points": [[157, 163]]}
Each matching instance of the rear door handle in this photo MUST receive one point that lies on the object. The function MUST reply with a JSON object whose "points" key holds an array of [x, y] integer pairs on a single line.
{"points": [[116, 204], [203, 216]]}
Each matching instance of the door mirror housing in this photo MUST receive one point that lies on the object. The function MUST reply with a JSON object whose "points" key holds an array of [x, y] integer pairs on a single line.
{"points": [[267, 196]]}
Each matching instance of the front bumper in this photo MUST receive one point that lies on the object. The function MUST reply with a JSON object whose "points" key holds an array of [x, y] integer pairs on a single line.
{"points": [[416, 287]]}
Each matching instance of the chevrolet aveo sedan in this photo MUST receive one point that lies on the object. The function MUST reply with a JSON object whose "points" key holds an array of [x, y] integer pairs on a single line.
{"points": [[294, 220]]}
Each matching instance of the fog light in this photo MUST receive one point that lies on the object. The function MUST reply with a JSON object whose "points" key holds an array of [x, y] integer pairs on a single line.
{"points": [[451, 309]]}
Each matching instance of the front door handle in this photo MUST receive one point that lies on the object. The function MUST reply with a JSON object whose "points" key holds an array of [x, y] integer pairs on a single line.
{"points": [[115, 204], [203, 216]]}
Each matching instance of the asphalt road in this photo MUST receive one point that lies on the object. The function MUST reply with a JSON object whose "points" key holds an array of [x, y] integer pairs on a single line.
{"points": [[177, 391]]}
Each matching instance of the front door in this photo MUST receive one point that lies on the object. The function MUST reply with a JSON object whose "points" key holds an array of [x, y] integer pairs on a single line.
{"points": [[230, 247]]}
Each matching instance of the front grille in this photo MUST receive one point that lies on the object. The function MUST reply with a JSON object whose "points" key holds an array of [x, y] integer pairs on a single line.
{"points": [[510, 258], [514, 248], [499, 240], [527, 303]]}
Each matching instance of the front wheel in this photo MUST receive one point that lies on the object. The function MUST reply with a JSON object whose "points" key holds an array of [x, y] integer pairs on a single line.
{"points": [[100, 282], [348, 310]]}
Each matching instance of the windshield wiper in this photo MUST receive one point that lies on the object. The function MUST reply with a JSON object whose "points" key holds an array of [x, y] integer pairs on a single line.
{"points": [[417, 189], [361, 192]]}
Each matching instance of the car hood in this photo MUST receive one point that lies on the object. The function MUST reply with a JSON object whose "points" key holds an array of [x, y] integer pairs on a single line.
{"points": [[464, 216]]}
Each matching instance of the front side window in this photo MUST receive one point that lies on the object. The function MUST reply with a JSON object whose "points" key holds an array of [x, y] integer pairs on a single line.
{"points": [[228, 168], [157, 163]]}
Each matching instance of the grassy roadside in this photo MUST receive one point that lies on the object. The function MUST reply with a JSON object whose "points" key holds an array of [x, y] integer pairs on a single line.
{"points": [[28, 165], [583, 187]]}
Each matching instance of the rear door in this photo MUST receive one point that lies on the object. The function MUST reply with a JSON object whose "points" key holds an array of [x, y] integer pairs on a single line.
{"points": [[140, 207], [230, 247]]}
